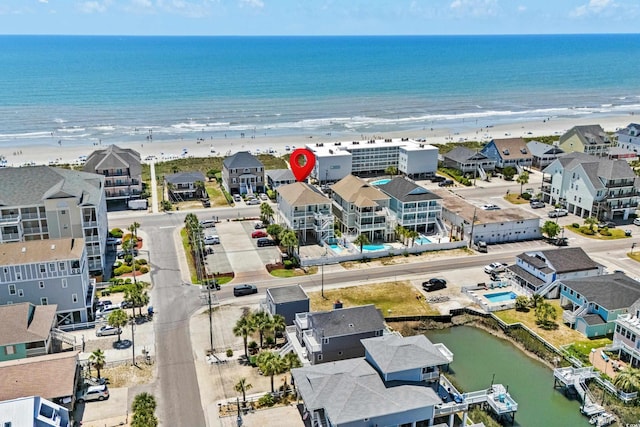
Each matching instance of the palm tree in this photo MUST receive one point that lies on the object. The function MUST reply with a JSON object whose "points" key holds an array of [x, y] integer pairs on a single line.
{"points": [[97, 360], [263, 323], [200, 189], [401, 232], [413, 234], [391, 170], [590, 221], [361, 240], [243, 328], [266, 213], [628, 380], [270, 363], [545, 315], [536, 300], [242, 386], [523, 179], [290, 361], [133, 228], [289, 240], [278, 324], [118, 319], [144, 402]]}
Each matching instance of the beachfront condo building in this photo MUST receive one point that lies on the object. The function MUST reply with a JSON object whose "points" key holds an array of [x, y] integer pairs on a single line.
{"points": [[43, 272], [42, 202], [591, 186], [589, 139], [122, 170], [336, 160], [303, 209]]}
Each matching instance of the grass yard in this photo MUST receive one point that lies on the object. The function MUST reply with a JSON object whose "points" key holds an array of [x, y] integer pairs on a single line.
{"points": [[128, 375], [391, 298], [558, 337], [515, 199], [293, 272], [616, 233], [187, 251], [634, 256]]}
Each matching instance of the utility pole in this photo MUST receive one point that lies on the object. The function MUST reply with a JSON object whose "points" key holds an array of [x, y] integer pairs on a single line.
{"points": [[473, 223], [133, 340], [210, 319]]}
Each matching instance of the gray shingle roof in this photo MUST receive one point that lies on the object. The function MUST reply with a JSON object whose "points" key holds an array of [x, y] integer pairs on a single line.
{"points": [[524, 274], [588, 134], [287, 294], [242, 159], [539, 149], [611, 291], [347, 321], [185, 177], [393, 353], [404, 190], [281, 175], [562, 260], [463, 154], [596, 168], [114, 157], [32, 185], [352, 390]]}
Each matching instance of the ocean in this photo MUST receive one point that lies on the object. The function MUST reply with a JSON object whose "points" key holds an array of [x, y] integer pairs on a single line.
{"points": [[79, 89]]}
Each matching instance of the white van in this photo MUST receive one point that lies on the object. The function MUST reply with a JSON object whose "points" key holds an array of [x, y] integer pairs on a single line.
{"points": [[106, 310], [207, 223]]}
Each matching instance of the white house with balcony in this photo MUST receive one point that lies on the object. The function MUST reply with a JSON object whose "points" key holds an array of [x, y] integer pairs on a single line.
{"points": [[629, 137], [590, 186], [44, 272], [42, 202], [305, 210], [626, 338], [122, 170], [362, 208]]}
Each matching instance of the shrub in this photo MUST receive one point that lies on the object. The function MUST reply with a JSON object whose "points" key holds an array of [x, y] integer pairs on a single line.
{"points": [[575, 225], [116, 232], [604, 232], [526, 196], [586, 231], [269, 340], [252, 345], [288, 264], [229, 352], [266, 400], [141, 261], [123, 269], [465, 181], [271, 194], [144, 269]]}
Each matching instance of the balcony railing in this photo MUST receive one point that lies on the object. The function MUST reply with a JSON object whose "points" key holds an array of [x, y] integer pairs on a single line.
{"points": [[89, 224], [6, 237], [30, 215], [10, 219]]}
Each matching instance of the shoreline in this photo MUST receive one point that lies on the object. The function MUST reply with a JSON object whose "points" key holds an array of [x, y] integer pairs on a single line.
{"points": [[23, 153]]}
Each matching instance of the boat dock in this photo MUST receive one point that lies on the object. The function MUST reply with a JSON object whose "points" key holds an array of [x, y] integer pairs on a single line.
{"points": [[575, 378], [496, 398]]}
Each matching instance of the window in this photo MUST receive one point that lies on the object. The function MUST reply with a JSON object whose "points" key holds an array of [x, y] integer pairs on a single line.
{"points": [[325, 340], [20, 293], [63, 212], [74, 298], [9, 350], [12, 289], [44, 301], [18, 275], [41, 284], [61, 266], [64, 283], [319, 357], [52, 266], [43, 268]]}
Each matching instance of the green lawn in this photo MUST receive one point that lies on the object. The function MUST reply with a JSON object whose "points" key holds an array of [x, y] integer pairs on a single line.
{"points": [[293, 272], [616, 233], [187, 251]]}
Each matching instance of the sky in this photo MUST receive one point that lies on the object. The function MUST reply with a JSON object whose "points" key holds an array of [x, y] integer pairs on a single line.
{"points": [[317, 17]]}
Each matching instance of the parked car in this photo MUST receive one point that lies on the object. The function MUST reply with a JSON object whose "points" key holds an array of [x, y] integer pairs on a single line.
{"points": [[437, 178], [211, 240], [607, 224], [495, 267], [237, 198], [241, 290], [94, 392], [259, 233], [490, 207], [265, 241], [536, 204], [558, 212], [264, 196], [106, 310], [253, 202], [445, 183], [121, 253], [206, 203], [114, 241], [100, 304], [107, 330], [258, 225], [434, 284], [207, 223]]}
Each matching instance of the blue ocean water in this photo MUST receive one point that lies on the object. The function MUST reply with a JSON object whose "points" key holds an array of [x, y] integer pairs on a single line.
{"points": [[83, 88]]}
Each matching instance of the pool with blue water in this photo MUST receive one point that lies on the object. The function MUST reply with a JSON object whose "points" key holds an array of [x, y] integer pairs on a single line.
{"points": [[501, 296]]}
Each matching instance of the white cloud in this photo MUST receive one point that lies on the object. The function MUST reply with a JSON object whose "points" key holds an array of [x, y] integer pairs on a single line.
{"points": [[476, 8], [594, 7], [43, 1], [94, 6], [255, 4], [522, 8]]}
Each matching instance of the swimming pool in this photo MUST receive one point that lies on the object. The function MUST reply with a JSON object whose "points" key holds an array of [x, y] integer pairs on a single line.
{"points": [[423, 240], [373, 248], [381, 182], [335, 248], [501, 296]]}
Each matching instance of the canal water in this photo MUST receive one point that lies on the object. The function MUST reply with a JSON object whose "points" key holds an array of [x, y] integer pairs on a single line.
{"points": [[478, 355]]}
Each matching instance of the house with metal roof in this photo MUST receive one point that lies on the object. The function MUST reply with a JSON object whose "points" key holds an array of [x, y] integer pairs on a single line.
{"points": [[122, 170], [413, 206], [468, 161], [305, 210], [592, 304], [184, 186], [362, 208], [33, 411], [278, 177], [508, 152], [287, 301], [540, 272], [588, 139], [243, 173], [588, 185], [395, 383], [333, 335], [543, 154], [42, 202], [25, 330]]}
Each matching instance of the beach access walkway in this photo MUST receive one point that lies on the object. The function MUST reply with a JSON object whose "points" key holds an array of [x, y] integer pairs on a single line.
{"points": [[154, 188]]}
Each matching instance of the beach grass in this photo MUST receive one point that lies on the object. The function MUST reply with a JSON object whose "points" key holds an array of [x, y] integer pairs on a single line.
{"points": [[391, 298]]}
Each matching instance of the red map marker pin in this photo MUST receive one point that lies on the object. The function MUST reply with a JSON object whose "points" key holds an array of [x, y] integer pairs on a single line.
{"points": [[302, 162]]}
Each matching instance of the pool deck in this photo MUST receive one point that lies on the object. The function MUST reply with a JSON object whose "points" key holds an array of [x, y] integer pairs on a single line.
{"points": [[478, 295]]}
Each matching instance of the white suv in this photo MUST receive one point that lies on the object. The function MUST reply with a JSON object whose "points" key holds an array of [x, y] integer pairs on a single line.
{"points": [[636, 221], [495, 267]]}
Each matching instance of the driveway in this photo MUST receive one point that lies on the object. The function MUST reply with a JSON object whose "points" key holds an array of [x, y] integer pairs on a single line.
{"points": [[241, 251]]}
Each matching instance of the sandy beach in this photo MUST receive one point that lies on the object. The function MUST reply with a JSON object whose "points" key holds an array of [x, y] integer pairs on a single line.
{"points": [[20, 154]]}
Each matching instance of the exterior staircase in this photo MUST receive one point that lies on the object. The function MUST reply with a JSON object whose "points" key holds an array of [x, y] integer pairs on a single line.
{"points": [[547, 288], [69, 339], [481, 173]]}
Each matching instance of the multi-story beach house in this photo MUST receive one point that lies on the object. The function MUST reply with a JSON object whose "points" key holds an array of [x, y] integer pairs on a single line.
{"points": [[122, 170], [588, 139], [396, 383], [414, 207], [472, 223], [469, 162], [362, 208], [278, 177], [543, 154], [337, 160], [25, 330], [626, 337], [539, 272], [508, 152], [287, 301], [590, 186], [592, 304], [307, 211], [43, 272], [629, 137], [333, 335], [243, 173], [43, 202], [184, 186]]}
